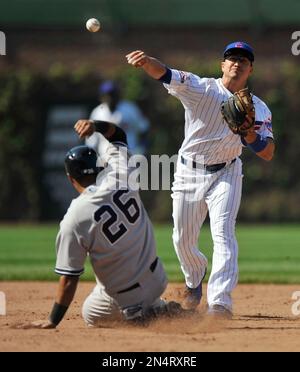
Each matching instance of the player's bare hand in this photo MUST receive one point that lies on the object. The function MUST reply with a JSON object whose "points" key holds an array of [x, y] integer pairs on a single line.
{"points": [[39, 324], [84, 128], [137, 58]]}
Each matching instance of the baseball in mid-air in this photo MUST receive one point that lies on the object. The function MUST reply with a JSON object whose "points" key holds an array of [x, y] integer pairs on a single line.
{"points": [[93, 25]]}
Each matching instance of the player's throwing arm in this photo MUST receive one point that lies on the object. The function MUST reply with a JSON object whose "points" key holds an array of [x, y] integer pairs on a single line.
{"points": [[152, 66]]}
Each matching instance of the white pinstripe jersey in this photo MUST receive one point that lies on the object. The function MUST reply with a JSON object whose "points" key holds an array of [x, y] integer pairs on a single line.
{"points": [[206, 133]]}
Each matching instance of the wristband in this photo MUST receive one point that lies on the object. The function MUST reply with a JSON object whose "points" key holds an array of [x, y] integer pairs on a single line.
{"points": [[101, 126], [57, 313], [118, 136], [167, 76], [258, 145]]}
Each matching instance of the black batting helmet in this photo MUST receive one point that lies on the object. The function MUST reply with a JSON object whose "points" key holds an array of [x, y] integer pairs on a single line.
{"points": [[81, 161]]}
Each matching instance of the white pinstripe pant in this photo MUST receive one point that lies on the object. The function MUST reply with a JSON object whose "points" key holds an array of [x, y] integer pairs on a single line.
{"points": [[195, 193]]}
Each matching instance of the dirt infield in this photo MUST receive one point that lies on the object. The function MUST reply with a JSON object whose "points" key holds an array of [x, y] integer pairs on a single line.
{"points": [[263, 321]]}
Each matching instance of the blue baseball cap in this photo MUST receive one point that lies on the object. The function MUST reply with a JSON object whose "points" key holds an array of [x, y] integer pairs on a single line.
{"points": [[239, 47], [107, 86]]}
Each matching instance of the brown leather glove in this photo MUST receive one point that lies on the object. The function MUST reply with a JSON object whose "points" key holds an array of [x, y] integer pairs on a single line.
{"points": [[239, 113]]}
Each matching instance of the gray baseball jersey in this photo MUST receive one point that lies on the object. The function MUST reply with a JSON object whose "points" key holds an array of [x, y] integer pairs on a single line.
{"points": [[205, 132], [110, 225]]}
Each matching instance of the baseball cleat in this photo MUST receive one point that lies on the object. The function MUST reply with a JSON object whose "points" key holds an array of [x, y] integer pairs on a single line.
{"points": [[170, 309], [192, 296], [219, 311]]}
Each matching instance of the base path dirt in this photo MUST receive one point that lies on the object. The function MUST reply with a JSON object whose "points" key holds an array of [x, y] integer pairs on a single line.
{"points": [[263, 321]]}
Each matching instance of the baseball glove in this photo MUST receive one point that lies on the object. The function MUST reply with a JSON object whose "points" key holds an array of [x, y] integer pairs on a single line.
{"points": [[239, 113]]}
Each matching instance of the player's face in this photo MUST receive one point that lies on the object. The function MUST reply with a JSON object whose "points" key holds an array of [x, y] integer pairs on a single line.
{"points": [[237, 67]]}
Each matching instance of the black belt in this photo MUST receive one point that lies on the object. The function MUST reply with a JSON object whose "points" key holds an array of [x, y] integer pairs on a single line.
{"points": [[209, 168], [136, 285]]}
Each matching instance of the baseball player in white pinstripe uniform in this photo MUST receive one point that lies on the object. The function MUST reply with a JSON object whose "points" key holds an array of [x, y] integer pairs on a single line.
{"points": [[209, 175]]}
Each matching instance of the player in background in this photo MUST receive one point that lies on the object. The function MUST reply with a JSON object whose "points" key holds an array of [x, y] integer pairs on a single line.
{"points": [[123, 113], [209, 171], [111, 226]]}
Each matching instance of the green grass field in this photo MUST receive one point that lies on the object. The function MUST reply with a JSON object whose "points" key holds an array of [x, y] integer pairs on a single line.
{"points": [[268, 253]]}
